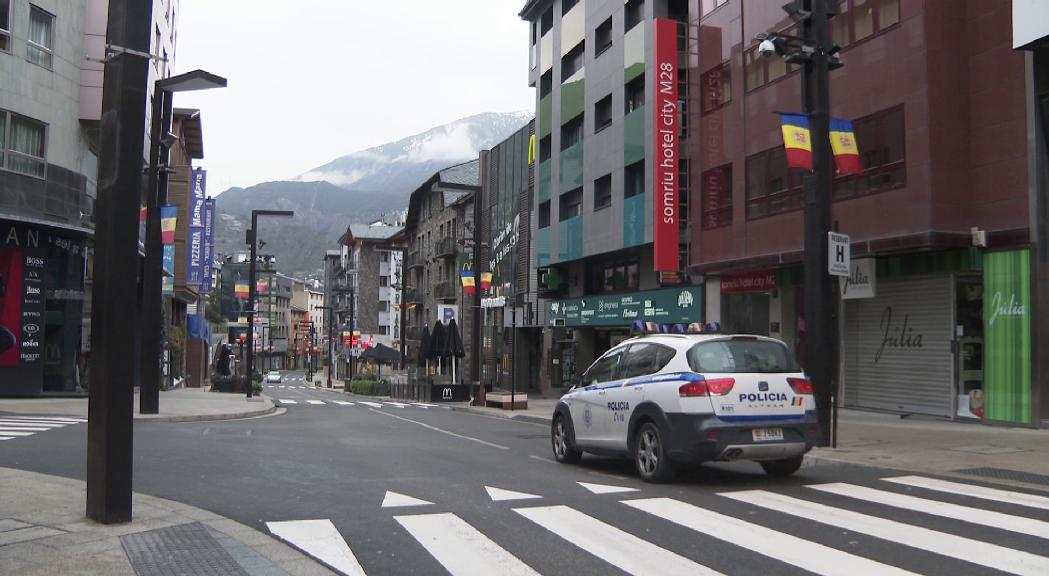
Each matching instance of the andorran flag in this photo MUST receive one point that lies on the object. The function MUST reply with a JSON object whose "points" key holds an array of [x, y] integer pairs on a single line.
{"points": [[468, 280], [796, 140], [168, 221], [240, 289], [843, 144], [486, 280]]}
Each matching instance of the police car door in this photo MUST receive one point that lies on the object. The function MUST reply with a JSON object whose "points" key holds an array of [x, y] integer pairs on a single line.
{"points": [[641, 359], [589, 412]]}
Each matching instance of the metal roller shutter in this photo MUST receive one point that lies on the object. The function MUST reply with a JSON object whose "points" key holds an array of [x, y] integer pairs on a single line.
{"points": [[898, 348]]}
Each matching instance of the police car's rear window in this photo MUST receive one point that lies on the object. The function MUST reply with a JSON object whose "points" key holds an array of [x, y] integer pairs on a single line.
{"points": [[741, 356]]}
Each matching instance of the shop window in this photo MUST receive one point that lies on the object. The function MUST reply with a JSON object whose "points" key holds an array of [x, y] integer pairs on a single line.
{"points": [[603, 37], [717, 197], [633, 13], [573, 61], [614, 277], [634, 94], [716, 87], [880, 138], [634, 179], [603, 113], [772, 188], [572, 132], [571, 204], [603, 192]]}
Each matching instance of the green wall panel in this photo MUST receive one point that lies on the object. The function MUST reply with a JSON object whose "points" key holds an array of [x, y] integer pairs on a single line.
{"points": [[570, 239], [543, 181], [634, 136], [1007, 336], [572, 168], [542, 246], [572, 98], [546, 107], [634, 220]]}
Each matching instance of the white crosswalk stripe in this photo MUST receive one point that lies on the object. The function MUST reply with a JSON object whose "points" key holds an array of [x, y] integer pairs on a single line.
{"points": [[460, 548], [952, 546], [12, 427], [315, 401], [343, 403], [397, 404], [372, 404], [283, 401], [981, 492]]}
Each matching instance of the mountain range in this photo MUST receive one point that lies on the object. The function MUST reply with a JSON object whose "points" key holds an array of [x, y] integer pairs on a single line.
{"points": [[359, 187]]}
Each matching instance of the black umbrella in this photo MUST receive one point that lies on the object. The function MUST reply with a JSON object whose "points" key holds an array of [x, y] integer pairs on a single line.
{"points": [[381, 353], [455, 340], [437, 338], [424, 347]]}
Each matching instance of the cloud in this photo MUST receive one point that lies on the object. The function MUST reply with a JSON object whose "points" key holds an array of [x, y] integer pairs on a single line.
{"points": [[336, 177], [453, 142]]}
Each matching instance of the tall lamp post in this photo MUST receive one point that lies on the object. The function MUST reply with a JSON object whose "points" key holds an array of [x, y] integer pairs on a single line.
{"points": [[252, 238], [160, 141], [331, 337], [818, 59]]}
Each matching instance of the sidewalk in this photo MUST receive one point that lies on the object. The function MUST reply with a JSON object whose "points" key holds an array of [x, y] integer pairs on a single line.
{"points": [[1012, 455], [43, 531], [179, 405]]}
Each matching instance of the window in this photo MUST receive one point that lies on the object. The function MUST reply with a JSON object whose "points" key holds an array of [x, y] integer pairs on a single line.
{"points": [[567, 5], [634, 95], [603, 192], [860, 19], [603, 36], [544, 148], [633, 13], [613, 277], [5, 25], [41, 37], [572, 132], [546, 82], [880, 138], [572, 62], [546, 22], [384, 281], [717, 197], [741, 355], [645, 358], [571, 204], [605, 369], [384, 306], [711, 5], [603, 113], [771, 187], [634, 179], [23, 144], [716, 89], [544, 214]]}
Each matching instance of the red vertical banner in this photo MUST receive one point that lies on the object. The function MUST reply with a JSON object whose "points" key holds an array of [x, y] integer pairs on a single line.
{"points": [[666, 121]]}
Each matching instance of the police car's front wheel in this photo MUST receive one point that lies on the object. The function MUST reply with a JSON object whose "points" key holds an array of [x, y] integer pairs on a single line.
{"points": [[650, 456], [782, 468], [561, 440]]}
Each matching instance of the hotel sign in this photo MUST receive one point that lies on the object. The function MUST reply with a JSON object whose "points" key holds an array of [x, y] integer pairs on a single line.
{"points": [[665, 160]]}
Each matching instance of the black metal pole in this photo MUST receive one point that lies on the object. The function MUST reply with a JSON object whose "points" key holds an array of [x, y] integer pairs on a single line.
{"points": [[111, 397], [821, 340], [353, 327], [253, 240], [476, 308], [513, 357], [331, 337], [153, 271]]}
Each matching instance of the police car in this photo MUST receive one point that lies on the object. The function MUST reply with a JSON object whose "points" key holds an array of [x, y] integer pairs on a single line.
{"points": [[667, 399]]}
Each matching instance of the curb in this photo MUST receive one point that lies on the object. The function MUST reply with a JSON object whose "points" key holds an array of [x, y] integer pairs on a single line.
{"points": [[209, 417], [509, 416]]}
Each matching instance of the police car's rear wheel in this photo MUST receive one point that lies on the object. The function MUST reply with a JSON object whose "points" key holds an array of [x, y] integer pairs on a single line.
{"points": [[649, 456], [781, 468], [561, 439]]}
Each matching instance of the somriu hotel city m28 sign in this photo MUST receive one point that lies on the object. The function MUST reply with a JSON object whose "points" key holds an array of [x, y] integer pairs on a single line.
{"points": [[665, 213]]}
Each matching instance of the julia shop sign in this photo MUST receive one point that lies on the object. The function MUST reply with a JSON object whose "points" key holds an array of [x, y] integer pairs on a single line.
{"points": [[861, 281]]}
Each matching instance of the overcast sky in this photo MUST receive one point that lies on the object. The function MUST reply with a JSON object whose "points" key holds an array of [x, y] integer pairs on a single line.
{"points": [[311, 80]]}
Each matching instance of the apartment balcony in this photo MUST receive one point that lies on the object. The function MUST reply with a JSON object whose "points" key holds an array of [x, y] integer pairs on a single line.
{"points": [[447, 247], [412, 296], [446, 291], [414, 260]]}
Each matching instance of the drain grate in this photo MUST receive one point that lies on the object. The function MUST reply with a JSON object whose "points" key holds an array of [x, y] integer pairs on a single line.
{"points": [[1004, 474], [179, 550]]}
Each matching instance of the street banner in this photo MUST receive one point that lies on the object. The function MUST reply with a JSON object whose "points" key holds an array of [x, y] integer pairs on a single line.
{"points": [[167, 285], [21, 308], [168, 223], [195, 229], [797, 140], [666, 122], [209, 242], [843, 145], [262, 286], [240, 290], [1007, 336]]}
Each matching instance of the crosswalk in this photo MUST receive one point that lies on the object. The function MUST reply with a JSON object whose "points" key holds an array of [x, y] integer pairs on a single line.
{"points": [[12, 427], [360, 403], [892, 525]]}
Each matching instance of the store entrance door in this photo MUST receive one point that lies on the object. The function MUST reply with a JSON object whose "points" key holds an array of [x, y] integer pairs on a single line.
{"points": [[968, 348]]}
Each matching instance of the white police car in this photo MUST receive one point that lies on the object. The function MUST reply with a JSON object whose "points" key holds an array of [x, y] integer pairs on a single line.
{"points": [[673, 398]]}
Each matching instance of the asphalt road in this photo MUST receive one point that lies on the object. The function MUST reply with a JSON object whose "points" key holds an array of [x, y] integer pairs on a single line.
{"points": [[323, 460]]}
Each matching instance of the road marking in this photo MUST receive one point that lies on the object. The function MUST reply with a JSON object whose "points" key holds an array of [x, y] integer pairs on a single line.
{"points": [[994, 494], [541, 459], [315, 402], [302, 387], [343, 403], [7, 437], [424, 405], [372, 404], [34, 423], [320, 539], [441, 430], [605, 488], [620, 549], [998, 520], [8, 428], [397, 404], [460, 548], [806, 555], [974, 551], [287, 401], [56, 420], [499, 494], [14, 433], [397, 500]]}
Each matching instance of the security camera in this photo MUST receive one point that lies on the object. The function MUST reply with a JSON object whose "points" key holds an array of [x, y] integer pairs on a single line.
{"points": [[767, 49], [168, 140]]}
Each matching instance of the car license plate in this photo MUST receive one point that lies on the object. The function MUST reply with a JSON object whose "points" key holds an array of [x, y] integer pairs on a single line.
{"points": [[767, 434]]}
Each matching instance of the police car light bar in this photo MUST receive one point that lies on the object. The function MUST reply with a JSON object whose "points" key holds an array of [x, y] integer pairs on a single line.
{"points": [[642, 327]]}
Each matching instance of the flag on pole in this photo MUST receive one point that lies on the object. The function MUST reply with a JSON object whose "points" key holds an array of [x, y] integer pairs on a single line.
{"points": [[486, 280], [240, 289], [843, 144], [468, 281], [797, 140], [168, 221]]}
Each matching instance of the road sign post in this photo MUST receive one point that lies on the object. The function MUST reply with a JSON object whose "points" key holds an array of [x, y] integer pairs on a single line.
{"points": [[838, 255]]}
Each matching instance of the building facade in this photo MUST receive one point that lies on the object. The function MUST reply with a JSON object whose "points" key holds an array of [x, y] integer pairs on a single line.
{"points": [[375, 250], [595, 226]]}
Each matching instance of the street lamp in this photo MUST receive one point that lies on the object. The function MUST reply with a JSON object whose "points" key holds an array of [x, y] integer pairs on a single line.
{"points": [[252, 238], [331, 338], [160, 142]]}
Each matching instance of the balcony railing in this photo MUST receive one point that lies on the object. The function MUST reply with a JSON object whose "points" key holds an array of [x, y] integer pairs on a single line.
{"points": [[414, 260], [446, 247], [412, 295], [445, 291]]}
